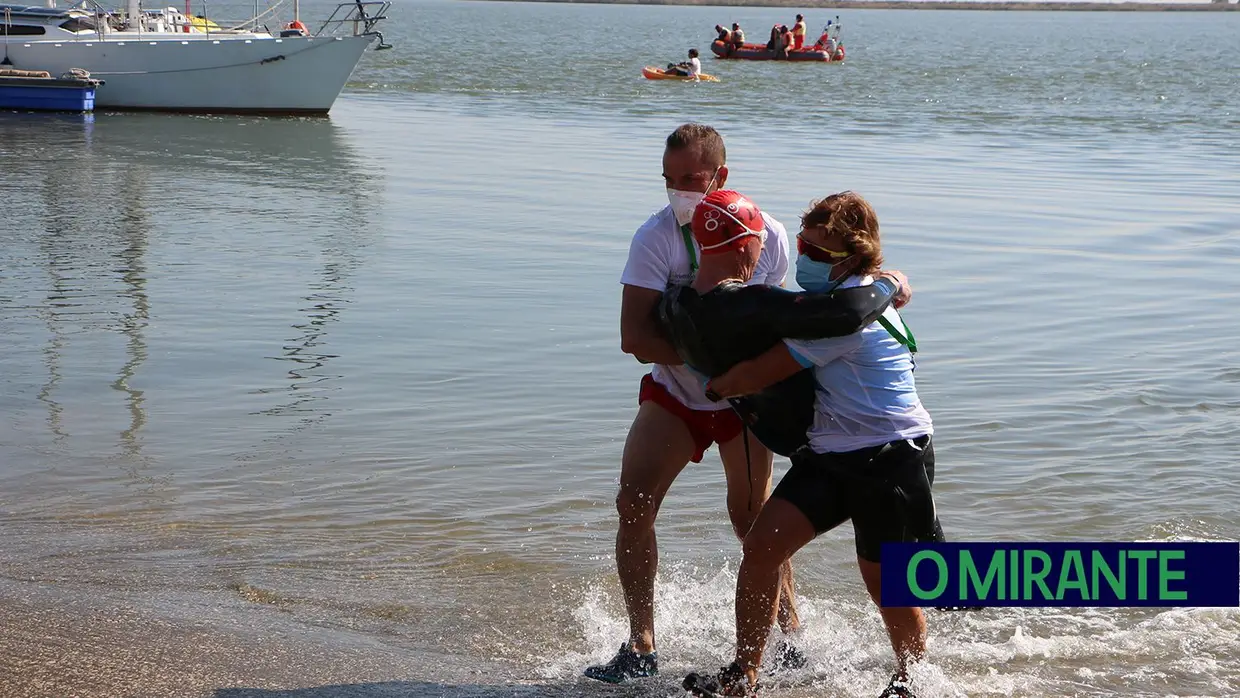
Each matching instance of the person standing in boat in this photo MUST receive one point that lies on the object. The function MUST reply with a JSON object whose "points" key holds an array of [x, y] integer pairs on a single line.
{"points": [[722, 34], [798, 33]]}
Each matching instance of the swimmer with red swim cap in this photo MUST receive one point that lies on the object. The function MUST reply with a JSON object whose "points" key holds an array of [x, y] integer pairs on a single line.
{"points": [[730, 230], [726, 221]]}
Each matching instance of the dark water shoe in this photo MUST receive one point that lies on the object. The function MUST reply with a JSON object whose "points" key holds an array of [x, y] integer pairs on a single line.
{"points": [[898, 688], [730, 683], [788, 657], [626, 665]]}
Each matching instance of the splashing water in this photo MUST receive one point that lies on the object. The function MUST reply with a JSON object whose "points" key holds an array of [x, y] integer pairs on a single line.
{"points": [[992, 652]]}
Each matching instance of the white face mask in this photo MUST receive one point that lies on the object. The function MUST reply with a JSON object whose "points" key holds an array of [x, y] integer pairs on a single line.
{"points": [[684, 203]]}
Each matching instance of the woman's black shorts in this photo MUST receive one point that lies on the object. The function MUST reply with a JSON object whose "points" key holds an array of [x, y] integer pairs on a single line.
{"points": [[885, 490]]}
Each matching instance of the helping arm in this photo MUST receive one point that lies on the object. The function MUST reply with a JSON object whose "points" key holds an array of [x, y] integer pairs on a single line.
{"points": [[810, 316], [835, 314], [639, 330], [755, 375]]}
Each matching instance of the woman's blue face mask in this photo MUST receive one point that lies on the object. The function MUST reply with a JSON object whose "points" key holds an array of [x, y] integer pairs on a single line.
{"points": [[816, 264], [815, 276]]}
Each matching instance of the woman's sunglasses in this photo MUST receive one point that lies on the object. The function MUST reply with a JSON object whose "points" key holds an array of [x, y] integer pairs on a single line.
{"points": [[818, 253]]}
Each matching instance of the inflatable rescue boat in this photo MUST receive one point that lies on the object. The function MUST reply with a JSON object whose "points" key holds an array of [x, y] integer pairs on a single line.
{"points": [[758, 52]]}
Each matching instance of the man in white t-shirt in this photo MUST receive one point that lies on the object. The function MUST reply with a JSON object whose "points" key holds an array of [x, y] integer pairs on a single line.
{"points": [[676, 423], [691, 68]]}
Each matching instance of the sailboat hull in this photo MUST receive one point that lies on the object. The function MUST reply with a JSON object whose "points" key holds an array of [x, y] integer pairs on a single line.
{"points": [[254, 75]]}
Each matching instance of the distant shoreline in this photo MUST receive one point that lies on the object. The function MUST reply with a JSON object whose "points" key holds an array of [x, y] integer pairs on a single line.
{"points": [[927, 5]]}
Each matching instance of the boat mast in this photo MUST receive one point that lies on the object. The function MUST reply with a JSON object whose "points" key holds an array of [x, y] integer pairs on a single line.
{"points": [[296, 10]]}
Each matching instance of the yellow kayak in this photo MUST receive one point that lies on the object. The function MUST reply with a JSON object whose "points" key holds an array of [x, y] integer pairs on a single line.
{"points": [[652, 73]]}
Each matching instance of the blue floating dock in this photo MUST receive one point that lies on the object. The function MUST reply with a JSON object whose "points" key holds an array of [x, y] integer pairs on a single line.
{"points": [[30, 92]]}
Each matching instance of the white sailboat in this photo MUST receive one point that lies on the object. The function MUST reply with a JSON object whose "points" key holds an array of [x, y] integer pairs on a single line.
{"points": [[171, 61]]}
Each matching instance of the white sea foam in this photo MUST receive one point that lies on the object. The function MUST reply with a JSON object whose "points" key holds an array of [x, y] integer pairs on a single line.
{"points": [[992, 652]]}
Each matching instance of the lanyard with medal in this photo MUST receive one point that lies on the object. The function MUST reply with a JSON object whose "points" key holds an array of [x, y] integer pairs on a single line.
{"points": [[687, 231]]}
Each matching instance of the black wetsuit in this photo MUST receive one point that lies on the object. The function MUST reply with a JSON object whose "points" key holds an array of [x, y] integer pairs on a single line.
{"points": [[732, 323]]}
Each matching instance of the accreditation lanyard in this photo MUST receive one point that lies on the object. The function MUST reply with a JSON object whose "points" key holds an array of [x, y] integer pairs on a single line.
{"points": [[687, 231], [906, 338]]}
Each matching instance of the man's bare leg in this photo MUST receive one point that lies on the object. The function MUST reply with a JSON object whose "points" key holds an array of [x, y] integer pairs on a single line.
{"points": [[658, 447], [749, 485]]}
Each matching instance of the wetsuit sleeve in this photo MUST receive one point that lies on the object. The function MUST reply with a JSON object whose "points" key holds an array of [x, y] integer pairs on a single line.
{"points": [[807, 315], [676, 318]]}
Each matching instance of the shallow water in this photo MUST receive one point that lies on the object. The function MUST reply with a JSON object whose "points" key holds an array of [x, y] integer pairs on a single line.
{"points": [[363, 372]]}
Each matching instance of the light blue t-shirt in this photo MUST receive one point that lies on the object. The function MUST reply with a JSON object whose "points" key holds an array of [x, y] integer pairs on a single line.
{"points": [[866, 395]]}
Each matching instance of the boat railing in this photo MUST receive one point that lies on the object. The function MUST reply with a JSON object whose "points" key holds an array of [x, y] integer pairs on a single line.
{"points": [[364, 16], [236, 26], [253, 24]]}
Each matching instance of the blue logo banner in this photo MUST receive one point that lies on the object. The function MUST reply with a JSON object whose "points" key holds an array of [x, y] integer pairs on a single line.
{"points": [[1061, 574]]}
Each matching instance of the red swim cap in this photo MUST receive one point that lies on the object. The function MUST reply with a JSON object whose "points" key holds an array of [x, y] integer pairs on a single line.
{"points": [[724, 219]]}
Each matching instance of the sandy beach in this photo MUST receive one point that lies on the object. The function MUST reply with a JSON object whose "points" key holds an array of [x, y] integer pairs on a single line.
{"points": [[59, 642]]}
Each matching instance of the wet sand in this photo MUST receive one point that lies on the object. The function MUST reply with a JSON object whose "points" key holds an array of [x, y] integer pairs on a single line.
{"points": [[57, 642]]}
